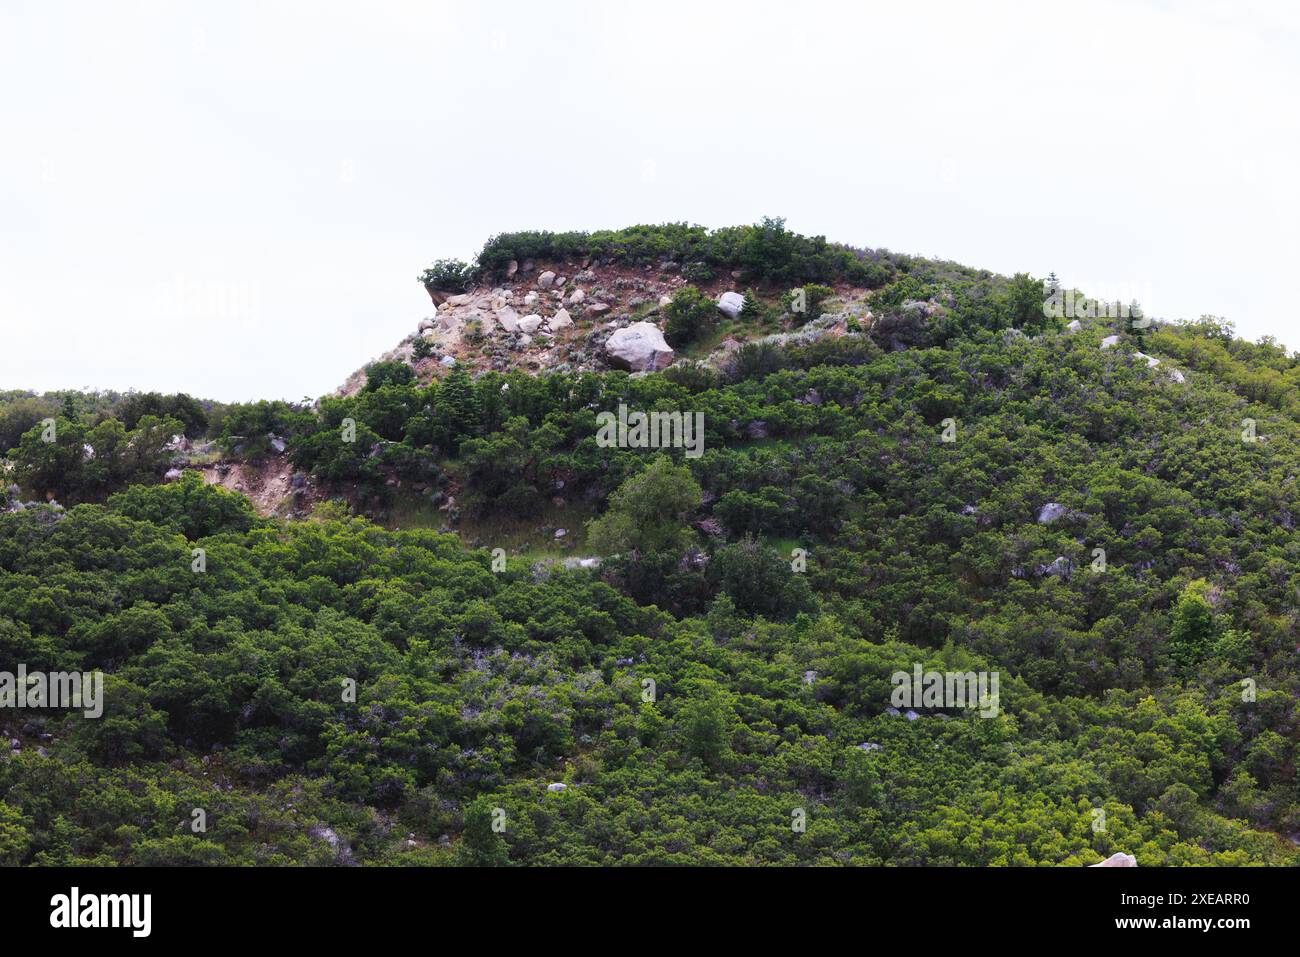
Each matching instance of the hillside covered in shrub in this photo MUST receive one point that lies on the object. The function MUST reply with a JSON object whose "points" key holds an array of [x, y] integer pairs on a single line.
{"points": [[698, 670]]}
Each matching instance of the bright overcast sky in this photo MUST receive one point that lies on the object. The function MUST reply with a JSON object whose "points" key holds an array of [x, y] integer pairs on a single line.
{"points": [[233, 199]]}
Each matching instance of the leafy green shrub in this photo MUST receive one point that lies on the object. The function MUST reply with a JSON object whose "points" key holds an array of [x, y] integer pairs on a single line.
{"points": [[688, 315], [192, 507], [805, 302], [448, 275], [391, 372]]}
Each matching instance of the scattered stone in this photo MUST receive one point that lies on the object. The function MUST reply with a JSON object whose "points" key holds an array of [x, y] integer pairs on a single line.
{"points": [[530, 324], [561, 320], [1118, 859], [1110, 341], [561, 532], [172, 475], [512, 267], [557, 786], [869, 746], [545, 280], [576, 297], [447, 361], [1074, 326]]}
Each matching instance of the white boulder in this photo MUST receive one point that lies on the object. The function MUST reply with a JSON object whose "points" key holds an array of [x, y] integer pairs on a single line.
{"points": [[1051, 512], [639, 347], [545, 279], [530, 324], [1110, 341], [561, 320], [730, 304], [1118, 859]]}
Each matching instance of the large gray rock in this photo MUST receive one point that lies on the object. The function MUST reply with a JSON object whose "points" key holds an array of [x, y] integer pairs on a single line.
{"points": [[509, 319], [530, 324], [639, 347], [561, 320], [545, 279], [730, 304]]}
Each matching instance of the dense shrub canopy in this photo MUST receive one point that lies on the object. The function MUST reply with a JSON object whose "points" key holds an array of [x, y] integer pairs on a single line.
{"points": [[993, 495]]}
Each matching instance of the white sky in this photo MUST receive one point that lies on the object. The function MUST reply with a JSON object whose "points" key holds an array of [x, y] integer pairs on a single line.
{"points": [[233, 199]]}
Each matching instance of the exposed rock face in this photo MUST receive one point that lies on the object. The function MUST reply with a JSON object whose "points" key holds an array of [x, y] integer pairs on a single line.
{"points": [[1061, 568], [730, 304], [1051, 512], [1118, 859], [639, 347]]}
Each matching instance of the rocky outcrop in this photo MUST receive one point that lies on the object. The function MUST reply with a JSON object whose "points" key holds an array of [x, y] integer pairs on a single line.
{"points": [[639, 347], [1051, 512]]}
